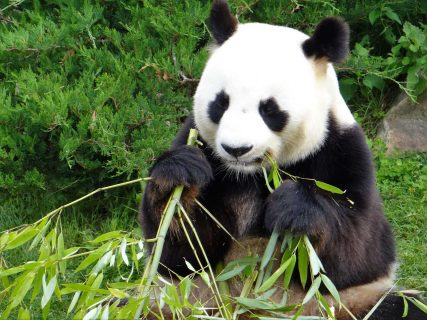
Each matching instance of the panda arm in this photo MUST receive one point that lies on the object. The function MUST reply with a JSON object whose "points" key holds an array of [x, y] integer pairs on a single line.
{"points": [[300, 206], [353, 239], [188, 166]]}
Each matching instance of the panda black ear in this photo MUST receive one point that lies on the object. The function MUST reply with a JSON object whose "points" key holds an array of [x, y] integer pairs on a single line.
{"points": [[221, 23], [330, 40]]}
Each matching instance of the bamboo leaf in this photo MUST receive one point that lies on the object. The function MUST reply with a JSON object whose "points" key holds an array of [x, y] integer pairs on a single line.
{"points": [[3, 240], [325, 305], [315, 263], [331, 287], [74, 301], [38, 283], [44, 251], [419, 304], [189, 266], [134, 257], [267, 295], [262, 305], [61, 253], [24, 314], [205, 278], [51, 236], [269, 250], [11, 271], [94, 287], [328, 187], [185, 288], [5, 282], [74, 287], [229, 273], [88, 261], [22, 237], [46, 310], [289, 271], [272, 280], [94, 256], [123, 251], [5, 314], [276, 178], [102, 262], [107, 236], [48, 291], [92, 314], [405, 306], [70, 251], [112, 260], [106, 313], [302, 264], [23, 285], [118, 293], [39, 235], [267, 183], [124, 285], [313, 289]]}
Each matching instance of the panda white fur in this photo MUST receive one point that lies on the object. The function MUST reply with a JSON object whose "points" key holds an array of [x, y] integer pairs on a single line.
{"points": [[273, 89]]}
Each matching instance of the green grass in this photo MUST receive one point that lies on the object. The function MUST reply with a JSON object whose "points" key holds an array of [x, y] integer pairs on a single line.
{"points": [[402, 181]]}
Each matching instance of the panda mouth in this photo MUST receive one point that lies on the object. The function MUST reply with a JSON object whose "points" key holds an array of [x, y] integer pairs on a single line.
{"points": [[254, 162]]}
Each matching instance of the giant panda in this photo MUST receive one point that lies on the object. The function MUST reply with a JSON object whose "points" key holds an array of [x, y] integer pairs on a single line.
{"points": [[273, 89]]}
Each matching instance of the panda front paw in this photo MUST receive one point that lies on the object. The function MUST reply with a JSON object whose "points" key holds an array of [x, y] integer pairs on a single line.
{"points": [[186, 166], [292, 207]]}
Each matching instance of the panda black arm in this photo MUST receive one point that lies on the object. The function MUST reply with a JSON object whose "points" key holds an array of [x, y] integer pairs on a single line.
{"points": [[343, 161], [354, 241], [188, 166]]}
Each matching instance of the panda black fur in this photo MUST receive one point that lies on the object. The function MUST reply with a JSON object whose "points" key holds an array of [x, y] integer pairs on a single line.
{"points": [[273, 89]]}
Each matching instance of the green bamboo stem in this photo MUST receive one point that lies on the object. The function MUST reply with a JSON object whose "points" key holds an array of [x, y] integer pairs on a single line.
{"points": [[163, 229]]}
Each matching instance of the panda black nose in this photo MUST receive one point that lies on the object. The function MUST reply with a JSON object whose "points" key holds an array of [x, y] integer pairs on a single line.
{"points": [[236, 152]]}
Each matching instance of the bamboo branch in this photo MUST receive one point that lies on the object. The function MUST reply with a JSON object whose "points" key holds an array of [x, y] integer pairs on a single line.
{"points": [[163, 229]]}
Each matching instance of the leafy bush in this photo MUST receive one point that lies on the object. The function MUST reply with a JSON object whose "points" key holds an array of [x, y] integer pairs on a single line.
{"points": [[94, 91]]}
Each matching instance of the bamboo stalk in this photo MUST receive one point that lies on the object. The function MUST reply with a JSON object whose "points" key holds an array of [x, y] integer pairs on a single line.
{"points": [[163, 229]]}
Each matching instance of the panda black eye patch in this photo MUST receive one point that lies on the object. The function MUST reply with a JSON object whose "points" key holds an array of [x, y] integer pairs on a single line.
{"points": [[273, 117], [217, 107]]}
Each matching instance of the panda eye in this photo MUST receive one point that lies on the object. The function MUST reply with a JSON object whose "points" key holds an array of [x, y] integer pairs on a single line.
{"points": [[268, 107], [217, 107], [273, 117]]}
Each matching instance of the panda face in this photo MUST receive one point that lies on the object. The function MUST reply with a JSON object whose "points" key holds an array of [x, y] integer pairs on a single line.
{"points": [[260, 93]]}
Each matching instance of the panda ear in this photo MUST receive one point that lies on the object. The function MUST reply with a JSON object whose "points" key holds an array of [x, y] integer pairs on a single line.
{"points": [[330, 40], [221, 23]]}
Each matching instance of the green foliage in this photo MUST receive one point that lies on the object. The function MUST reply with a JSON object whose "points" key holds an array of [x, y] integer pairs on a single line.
{"points": [[92, 91], [402, 180]]}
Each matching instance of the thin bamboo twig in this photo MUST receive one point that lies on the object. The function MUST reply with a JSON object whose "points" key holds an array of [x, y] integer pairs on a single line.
{"points": [[218, 294], [218, 223]]}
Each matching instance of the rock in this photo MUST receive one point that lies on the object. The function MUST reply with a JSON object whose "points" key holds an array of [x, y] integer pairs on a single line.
{"points": [[405, 126]]}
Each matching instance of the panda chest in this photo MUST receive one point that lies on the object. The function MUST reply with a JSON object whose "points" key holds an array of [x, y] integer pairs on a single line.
{"points": [[245, 207]]}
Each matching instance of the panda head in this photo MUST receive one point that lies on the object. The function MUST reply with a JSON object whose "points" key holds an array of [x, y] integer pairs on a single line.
{"points": [[269, 89]]}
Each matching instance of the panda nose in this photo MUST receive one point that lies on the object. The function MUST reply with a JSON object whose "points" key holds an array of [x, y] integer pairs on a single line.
{"points": [[236, 152]]}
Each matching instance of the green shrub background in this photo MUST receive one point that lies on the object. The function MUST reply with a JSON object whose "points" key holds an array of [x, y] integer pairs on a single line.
{"points": [[92, 91]]}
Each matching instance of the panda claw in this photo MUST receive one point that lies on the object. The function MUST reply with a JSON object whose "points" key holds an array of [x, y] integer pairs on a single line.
{"points": [[289, 209], [186, 166]]}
